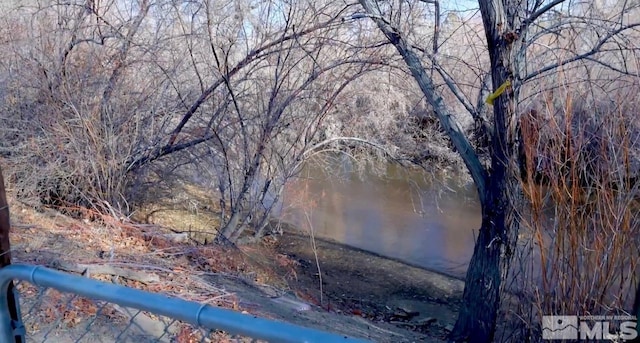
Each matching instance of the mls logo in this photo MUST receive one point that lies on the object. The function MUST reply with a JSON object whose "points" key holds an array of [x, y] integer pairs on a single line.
{"points": [[559, 327]]}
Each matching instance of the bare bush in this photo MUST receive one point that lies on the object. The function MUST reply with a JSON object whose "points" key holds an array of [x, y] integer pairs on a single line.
{"points": [[235, 95], [75, 109]]}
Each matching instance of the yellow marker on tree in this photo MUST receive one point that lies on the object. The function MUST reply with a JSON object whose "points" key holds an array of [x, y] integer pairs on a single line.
{"points": [[493, 96]]}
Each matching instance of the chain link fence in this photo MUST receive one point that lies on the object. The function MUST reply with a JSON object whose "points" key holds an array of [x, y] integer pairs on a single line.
{"points": [[60, 307]]}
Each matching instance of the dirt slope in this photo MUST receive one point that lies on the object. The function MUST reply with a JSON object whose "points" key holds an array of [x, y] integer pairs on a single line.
{"points": [[364, 295]]}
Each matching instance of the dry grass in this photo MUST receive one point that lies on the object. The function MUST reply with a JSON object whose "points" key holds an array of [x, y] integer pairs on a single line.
{"points": [[49, 238], [581, 254]]}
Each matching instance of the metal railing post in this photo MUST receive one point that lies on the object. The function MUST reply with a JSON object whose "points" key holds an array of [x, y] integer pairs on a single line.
{"points": [[6, 329]]}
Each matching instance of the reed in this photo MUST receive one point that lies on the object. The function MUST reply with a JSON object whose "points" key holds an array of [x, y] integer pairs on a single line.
{"points": [[579, 252]]}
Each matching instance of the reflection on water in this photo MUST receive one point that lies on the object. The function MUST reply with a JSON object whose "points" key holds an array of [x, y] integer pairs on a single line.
{"points": [[429, 222], [412, 216]]}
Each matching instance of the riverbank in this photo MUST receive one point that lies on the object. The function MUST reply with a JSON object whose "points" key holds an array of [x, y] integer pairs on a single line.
{"points": [[371, 286], [363, 295]]}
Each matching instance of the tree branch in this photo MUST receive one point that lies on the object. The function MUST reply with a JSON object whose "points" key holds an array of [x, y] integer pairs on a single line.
{"points": [[449, 124], [596, 49], [535, 15], [251, 56]]}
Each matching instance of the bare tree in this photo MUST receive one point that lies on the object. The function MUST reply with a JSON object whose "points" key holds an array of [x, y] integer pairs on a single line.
{"points": [[237, 90], [243, 92], [511, 31], [259, 118]]}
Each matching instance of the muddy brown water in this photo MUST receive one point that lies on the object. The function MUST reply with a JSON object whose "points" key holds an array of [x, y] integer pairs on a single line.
{"points": [[423, 219]]}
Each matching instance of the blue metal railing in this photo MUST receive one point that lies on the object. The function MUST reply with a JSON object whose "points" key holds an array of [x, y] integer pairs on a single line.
{"points": [[200, 315]]}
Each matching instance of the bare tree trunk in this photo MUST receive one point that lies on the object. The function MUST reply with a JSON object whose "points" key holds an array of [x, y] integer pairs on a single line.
{"points": [[230, 228], [497, 237], [5, 224], [498, 234], [496, 241], [490, 261], [478, 314], [5, 253]]}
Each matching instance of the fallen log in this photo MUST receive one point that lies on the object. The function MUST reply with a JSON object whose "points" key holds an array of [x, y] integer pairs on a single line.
{"points": [[105, 270]]}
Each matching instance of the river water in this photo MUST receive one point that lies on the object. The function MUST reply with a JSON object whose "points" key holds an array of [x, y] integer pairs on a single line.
{"points": [[430, 221], [417, 217]]}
